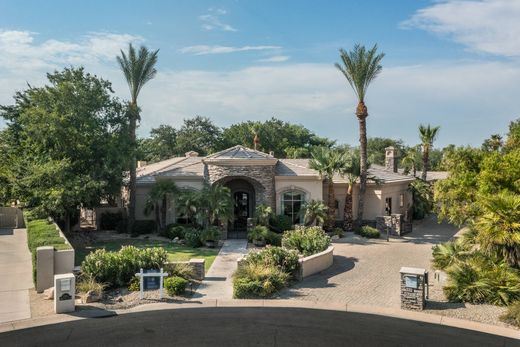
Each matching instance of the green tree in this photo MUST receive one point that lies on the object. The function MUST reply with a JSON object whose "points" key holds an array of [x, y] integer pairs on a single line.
{"points": [[216, 205], [315, 212], [513, 136], [187, 204], [410, 160], [161, 145], [198, 134], [427, 135], [66, 144], [498, 228], [376, 149], [360, 67], [328, 163], [493, 144], [138, 69], [263, 214], [422, 195], [159, 199]]}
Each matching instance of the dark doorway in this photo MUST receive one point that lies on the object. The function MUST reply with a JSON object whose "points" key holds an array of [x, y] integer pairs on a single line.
{"points": [[242, 202], [243, 194], [388, 206]]}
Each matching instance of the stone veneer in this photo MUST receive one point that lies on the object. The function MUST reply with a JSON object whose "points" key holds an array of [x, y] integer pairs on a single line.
{"points": [[413, 298], [260, 176], [396, 223]]}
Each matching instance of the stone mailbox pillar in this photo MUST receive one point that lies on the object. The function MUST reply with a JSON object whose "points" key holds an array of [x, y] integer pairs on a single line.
{"points": [[64, 293], [414, 283]]}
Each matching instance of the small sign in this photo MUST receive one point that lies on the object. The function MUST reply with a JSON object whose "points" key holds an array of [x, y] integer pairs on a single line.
{"points": [[65, 285], [411, 281], [151, 283]]}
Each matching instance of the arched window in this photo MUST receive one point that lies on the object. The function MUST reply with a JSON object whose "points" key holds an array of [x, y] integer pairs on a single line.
{"points": [[292, 202]]}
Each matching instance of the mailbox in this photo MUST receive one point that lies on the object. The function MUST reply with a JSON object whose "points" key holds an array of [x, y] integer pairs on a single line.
{"points": [[414, 286], [64, 293]]}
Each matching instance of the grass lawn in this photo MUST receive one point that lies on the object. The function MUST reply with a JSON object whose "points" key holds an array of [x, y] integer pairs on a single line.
{"points": [[175, 252]]}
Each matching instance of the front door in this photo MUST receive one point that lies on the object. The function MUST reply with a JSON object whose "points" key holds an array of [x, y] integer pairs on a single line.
{"points": [[241, 211]]}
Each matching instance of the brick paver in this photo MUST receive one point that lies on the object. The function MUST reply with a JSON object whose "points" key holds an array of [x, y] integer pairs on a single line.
{"points": [[366, 272]]}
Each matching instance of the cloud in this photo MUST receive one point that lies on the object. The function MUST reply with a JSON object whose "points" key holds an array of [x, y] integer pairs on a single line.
{"points": [[212, 21], [215, 49], [275, 59], [489, 26]]}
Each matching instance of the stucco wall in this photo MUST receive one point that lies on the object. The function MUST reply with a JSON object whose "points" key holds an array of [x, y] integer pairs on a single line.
{"points": [[311, 187], [394, 191]]}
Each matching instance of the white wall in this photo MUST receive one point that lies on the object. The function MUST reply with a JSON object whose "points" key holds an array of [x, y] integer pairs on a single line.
{"points": [[394, 191]]}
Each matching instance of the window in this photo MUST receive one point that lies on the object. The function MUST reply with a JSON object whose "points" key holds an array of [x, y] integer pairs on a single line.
{"points": [[292, 202], [388, 206], [401, 200]]}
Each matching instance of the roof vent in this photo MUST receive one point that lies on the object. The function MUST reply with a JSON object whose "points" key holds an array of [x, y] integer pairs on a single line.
{"points": [[191, 154]]}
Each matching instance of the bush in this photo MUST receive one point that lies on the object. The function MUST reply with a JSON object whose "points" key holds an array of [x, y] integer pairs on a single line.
{"points": [[286, 260], [368, 232], [281, 223], [259, 233], [192, 237], [135, 284], [257, 280], [183, 270], [481, 279], [306, 240], [273, 239], [175, 285], [175, 230], [450, 253], [512, 316], [110, 220], [116, 269], [142, 227], [339, 232], [212, 233]]}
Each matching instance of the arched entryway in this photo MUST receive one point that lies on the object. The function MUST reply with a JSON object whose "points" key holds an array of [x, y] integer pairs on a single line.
{"points": [[244, 197]]}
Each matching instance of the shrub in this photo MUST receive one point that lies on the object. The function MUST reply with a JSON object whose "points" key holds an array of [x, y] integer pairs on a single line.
{"points": [[175, 285], [273, 239], [481, 279], [512, 316], [192, 237], [281, 223], [88, 283], [286, 260], [183, 270], [117, 268], [110, 220], [339, 232], [211, 233], [306, 240], [368, 232], [259, 232], [175, 230], [135, 284], [254, 280], [142, 227], [450, 253]]}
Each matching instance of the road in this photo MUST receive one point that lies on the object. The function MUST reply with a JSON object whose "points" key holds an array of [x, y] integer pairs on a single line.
{"points": [[249, 327]]}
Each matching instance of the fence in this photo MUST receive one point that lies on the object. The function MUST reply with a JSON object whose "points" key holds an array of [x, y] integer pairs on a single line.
{"points": [[11, 217]]}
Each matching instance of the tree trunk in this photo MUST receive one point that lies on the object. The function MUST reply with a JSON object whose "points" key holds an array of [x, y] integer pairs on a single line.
{"points": [[67, 222], [348, 218], [426, 154], [362, 114], [332, 205], [163, 212], [133, 167]]}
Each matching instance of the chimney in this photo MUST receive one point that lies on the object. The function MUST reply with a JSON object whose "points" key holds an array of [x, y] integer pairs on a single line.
{"points": [[141, 163], [191, 154], [391, 159]]}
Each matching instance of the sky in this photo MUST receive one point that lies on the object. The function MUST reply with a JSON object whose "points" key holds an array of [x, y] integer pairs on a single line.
{"points": [[452, 63]]}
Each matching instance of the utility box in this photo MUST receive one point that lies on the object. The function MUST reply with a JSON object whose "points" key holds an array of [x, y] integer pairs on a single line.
{"points": [[64, 293], [414, 286]]}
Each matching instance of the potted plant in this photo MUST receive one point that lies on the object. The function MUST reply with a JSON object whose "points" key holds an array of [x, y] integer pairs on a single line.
{"points": [[210, 236], [258, 235]]}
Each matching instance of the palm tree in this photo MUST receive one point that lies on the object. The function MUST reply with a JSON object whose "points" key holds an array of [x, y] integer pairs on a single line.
{"points": [[217, 204], [327, 162], [158, 200], [428, 135], [409, 161], [315, 212], [360, 68], [187, 204], [498, 229], [351, 171], [138, 68], [263, 213]]}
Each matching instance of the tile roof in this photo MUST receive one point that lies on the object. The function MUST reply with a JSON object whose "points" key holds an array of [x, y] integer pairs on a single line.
{"points": [[239, 152]]}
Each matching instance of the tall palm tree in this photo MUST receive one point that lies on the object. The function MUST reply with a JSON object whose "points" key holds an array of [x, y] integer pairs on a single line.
{"points": [[158, 200], [217, 204], [361, 67], [327, 162], [428, 134], [498, 229], [138, 69], [351, 171], [409, 161]]}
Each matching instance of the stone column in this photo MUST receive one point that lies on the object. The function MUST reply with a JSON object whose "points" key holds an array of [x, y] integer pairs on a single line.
{"points": [[413, 288]]}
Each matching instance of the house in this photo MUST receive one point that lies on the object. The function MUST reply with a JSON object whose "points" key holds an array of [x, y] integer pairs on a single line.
{"points": [[257, 178]]}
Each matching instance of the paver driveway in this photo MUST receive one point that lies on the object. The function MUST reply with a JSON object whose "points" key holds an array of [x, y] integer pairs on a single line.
{"points": [[366, 272], [15, 275]]}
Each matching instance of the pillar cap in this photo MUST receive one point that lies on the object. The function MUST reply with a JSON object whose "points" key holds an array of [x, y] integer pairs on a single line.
{"points": [[412, 270]]}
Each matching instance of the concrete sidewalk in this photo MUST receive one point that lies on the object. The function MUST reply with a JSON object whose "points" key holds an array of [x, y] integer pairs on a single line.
{"points": [[218, 283], [16, 275]]}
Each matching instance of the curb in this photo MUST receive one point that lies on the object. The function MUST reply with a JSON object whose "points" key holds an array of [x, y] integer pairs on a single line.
{"points": [[273, 303]]}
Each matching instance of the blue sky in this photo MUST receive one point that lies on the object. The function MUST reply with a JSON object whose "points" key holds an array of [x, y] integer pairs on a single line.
{"points": [[451, 63]]}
